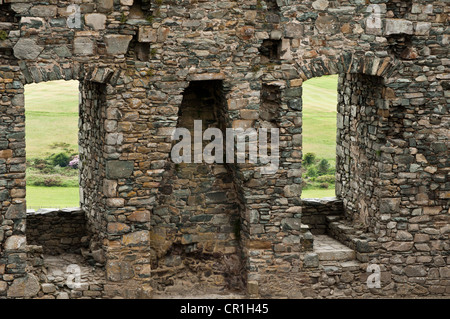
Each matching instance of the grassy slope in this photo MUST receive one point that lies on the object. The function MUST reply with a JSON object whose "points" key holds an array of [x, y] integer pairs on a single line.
{"points": [[319, 124], [51, 117], [319, 117]]}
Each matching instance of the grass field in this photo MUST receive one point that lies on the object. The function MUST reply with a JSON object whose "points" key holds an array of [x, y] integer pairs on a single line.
{"points": [[51, 111], [52, 197], [319, 117], [319, 125], [318, 193], [52, 117]]}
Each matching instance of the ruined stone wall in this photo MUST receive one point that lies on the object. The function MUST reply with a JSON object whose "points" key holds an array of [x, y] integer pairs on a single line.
{"points": [[92, 142], [45, 42], [136, 59], [57, 232], [197, 216], [360, 136], [387, 178], [315, 212]]}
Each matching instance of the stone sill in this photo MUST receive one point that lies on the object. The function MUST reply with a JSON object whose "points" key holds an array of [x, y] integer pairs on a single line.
{"points": [[44, 211], [320, 201]]}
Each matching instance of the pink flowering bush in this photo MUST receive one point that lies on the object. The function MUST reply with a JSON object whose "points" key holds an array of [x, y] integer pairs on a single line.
{"points": [[74, 162]]}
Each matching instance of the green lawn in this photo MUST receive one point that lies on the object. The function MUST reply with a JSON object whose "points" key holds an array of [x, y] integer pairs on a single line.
{"points": [[51, 111], [318, 193], [52, 197]]}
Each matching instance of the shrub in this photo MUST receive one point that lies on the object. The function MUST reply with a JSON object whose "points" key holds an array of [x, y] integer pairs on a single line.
{"points": [[60, 159], [323, 167], [74, 162], [312, 172], [309, 159], [326, 179], [51, 181], [324, 185], [42, 180]]}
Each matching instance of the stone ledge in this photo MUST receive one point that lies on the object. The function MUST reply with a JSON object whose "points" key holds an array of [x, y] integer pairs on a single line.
{"points": [[44, 211], [362, 243]]}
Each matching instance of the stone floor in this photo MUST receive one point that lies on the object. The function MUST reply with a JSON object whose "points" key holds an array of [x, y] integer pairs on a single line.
{"points": [[69, 276], [329, 249]]}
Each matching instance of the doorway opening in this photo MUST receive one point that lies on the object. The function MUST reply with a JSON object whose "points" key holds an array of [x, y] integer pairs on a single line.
{"points": [[51, 112], [320, 96]]}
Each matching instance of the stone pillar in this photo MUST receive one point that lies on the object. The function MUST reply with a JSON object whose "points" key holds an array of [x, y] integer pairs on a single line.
{"points": [[360, 134], [271, 219], [12, 180]]}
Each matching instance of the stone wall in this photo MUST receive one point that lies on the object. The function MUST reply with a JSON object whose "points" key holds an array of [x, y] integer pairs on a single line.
{"points": [[135, 60], [57, 231], [315, 212], [198, 209], [361, 131], [94, 124]]}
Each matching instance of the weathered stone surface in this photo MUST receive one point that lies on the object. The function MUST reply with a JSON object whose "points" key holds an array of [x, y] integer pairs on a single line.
{"points": [[63, 51], [99, 256], [320, 4], [15, 242], [291, 224], [117, 228], [110, 188], [3, 287], [444, 272], [117, 44], [115, 202], [27, 287], [27, 49], [147, 34], [119, 169], [403, 236], [140, 216], [399, 246], [95, 21], [292, 190], [136, 238], [48, 288], [43, 11], [83, 46], [252, 287], [389, 205], [399, 26], [415, 271], [105, 5], [6, 153], [326, 24], [16, 211], [311, 260], [117, 271]]}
